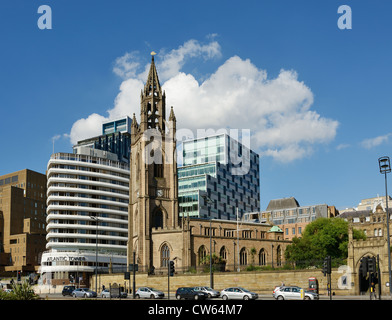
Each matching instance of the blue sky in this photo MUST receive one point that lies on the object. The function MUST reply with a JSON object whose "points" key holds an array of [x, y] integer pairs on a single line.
{"points": [[316, 98]]}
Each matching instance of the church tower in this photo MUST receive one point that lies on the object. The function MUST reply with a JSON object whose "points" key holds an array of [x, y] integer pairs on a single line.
{"points": [[153, 192]]}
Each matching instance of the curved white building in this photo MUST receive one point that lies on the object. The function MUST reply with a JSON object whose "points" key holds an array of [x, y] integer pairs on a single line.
{"points": [[81, 188]]}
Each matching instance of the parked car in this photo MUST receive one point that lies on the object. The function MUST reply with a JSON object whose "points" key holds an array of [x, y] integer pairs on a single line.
{"points": [[238, 293], [84, 293], [106, 294], [67, 290], [147, 292], [211, 293], [189, 293], [293, 293]]}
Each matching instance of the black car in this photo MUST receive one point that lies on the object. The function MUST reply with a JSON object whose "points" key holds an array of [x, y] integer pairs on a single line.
{"points": [[189, 293], [67, 290]]}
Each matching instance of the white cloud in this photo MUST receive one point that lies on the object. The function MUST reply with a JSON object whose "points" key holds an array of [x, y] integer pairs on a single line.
{"points": [[342, 146], [86, 128], [374, 142], [237, 95]]}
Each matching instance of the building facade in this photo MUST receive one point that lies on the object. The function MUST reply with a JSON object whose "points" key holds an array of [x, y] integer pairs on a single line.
{"points": [[87, 211], [373, 222], [22, 221], [290, 216], [157, 233], [209, 184]]}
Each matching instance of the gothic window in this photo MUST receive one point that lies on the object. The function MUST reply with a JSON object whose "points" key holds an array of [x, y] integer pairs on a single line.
{"points": [[202, 254], [158, 170], [262, 257], [243, 257], [223, 253], [165, 255]]}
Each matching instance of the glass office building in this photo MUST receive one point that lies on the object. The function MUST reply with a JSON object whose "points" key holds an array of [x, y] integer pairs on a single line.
{"points": [[218, 175]]}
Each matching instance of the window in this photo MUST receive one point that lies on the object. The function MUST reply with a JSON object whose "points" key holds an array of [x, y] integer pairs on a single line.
{"points": [[262, 257], [223, 253], [165, 255], [202, 254], [243, 257]]}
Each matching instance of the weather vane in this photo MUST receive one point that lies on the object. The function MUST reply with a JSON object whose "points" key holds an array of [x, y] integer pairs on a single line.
{"points": [[153, 53]]}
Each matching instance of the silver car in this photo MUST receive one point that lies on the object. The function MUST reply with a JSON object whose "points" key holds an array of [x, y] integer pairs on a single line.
{"points": [[84, 293], [148, 292], [210, 292], [238, 293], [293, 293], [106, 294]]}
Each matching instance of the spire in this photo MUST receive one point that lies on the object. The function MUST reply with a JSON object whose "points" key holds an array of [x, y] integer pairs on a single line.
{"points": [[153, 105], [152, 85], [172, 116]]}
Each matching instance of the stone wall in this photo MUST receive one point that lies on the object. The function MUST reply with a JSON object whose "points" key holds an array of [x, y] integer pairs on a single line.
{"points": [[262, 282]]}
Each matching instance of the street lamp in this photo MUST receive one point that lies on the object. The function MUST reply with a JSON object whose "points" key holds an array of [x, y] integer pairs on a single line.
{"points": [[96, 253], [208, 200], [385, 167]]}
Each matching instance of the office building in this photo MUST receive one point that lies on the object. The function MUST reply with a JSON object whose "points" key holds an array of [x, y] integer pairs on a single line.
{"points": [[213, 183], [22, 221]]}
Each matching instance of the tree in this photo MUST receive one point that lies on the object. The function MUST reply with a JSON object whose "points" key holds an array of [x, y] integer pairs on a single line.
{"points": [[218, 263], [20, 291], [322, 237]]}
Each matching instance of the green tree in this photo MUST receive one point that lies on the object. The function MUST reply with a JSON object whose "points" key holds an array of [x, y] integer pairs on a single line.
{"points": [[218, 263], [322, 237]]}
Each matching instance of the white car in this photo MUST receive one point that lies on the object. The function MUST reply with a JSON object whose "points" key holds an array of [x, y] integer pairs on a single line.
{"points": [[293, 293], [238, 293], [147, 292]]}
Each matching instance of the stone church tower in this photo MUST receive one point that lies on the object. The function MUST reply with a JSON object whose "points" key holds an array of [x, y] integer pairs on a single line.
{"points": [[153, 192]]}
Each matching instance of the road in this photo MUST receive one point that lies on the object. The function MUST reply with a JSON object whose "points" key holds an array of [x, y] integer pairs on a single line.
{"points": [[58, 296]]}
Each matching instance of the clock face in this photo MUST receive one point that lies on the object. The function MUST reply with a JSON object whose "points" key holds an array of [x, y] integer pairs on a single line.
{"points": [[159, 192]]}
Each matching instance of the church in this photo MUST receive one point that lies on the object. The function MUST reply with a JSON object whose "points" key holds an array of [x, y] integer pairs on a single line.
{"points": [[156, 232]]}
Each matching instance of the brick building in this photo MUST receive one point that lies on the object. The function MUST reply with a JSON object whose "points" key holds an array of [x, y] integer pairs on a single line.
{"points": [[22, 221]]}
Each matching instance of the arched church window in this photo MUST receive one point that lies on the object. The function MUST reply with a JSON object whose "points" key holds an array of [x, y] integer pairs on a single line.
{"points": [[243, 257], [202, 254], [165, 255], [223, 253]]}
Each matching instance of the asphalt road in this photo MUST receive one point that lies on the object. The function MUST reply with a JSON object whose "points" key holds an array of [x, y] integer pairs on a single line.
{"points": [[58, 296]]}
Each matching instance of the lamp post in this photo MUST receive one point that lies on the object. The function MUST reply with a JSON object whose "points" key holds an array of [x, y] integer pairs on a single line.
{"points": [[96, 253], [385, 167], [208, 200]]}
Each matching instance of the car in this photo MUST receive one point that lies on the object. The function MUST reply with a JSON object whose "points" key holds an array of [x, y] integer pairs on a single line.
{"points": [[106, 294], [148, 292], [211, 293], [189, 293], [84, 293], [293, 293], [238, 293], [67, 290]]}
